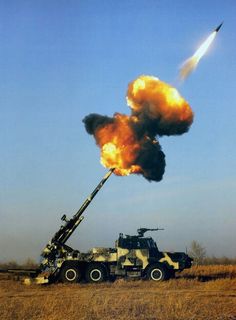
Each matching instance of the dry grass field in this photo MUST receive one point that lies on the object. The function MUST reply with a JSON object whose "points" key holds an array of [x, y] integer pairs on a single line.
{"points": [[204, 292]]}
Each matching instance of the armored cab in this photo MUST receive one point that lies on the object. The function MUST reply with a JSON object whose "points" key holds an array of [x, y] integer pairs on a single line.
{"points": [[139, 256]]}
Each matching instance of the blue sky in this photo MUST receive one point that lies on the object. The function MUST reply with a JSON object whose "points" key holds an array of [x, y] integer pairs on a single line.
{"points": [[61, 60]]}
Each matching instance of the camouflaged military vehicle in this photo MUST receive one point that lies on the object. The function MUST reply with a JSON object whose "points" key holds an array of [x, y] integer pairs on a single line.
{"points": [[133, 256]]}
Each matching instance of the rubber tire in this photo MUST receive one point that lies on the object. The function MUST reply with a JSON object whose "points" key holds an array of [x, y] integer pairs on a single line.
{"points": [[95, 273], [70, 274], [156, 273]]}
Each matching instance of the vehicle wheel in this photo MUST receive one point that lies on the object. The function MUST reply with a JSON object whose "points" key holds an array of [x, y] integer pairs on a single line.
{"points": [[95, 273], [70, 274], [156, 273]]}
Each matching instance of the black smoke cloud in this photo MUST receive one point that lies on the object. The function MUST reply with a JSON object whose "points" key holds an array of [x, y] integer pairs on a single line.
{"points": [[96, 121]]}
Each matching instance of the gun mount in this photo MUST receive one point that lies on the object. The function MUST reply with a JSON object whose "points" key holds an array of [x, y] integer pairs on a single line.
{"points": [[56, 247]]}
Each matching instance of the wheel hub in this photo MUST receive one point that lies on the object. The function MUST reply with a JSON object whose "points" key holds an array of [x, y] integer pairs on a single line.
{"points": [[70, 274], [156, 274], [95, 274]]}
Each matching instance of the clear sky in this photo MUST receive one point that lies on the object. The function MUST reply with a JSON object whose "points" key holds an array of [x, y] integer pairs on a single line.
{"points": [[61, 60]]}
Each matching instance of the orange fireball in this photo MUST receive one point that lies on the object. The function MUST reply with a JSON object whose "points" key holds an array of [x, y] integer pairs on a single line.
{"points": [[128, 143], [119, 145], [159, 102]]}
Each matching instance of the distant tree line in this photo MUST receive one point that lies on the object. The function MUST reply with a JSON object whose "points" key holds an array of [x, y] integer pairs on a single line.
{"points": [[199, 254], [28, 264]]}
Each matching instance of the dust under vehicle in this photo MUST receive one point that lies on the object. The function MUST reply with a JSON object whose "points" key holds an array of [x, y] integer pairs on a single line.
{"points": [[133, 256]]}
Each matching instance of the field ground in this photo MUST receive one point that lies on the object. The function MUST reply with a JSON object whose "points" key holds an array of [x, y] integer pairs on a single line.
{"points": [[204, 292]]}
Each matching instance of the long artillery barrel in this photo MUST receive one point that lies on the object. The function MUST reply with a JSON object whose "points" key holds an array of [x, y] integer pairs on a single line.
{"points": [[66, 231]]}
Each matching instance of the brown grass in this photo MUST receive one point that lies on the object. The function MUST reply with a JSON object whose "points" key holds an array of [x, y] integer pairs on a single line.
{"points": [[204, 292], [205, 273]]}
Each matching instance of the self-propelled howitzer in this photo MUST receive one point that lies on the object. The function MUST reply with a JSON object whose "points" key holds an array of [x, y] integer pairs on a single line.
{"points": [[56, 247], [133, 256]]}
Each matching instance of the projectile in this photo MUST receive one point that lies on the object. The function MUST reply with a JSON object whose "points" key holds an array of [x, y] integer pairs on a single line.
{"points": [[218, 28]]}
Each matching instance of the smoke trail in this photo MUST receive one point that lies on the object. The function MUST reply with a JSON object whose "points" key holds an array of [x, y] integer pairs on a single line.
{"points": [[190, 64]]}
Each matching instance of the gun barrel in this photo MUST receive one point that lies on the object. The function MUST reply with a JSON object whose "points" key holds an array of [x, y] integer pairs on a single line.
{"points": [[93, 194], [66, 231], [53, 248]]}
